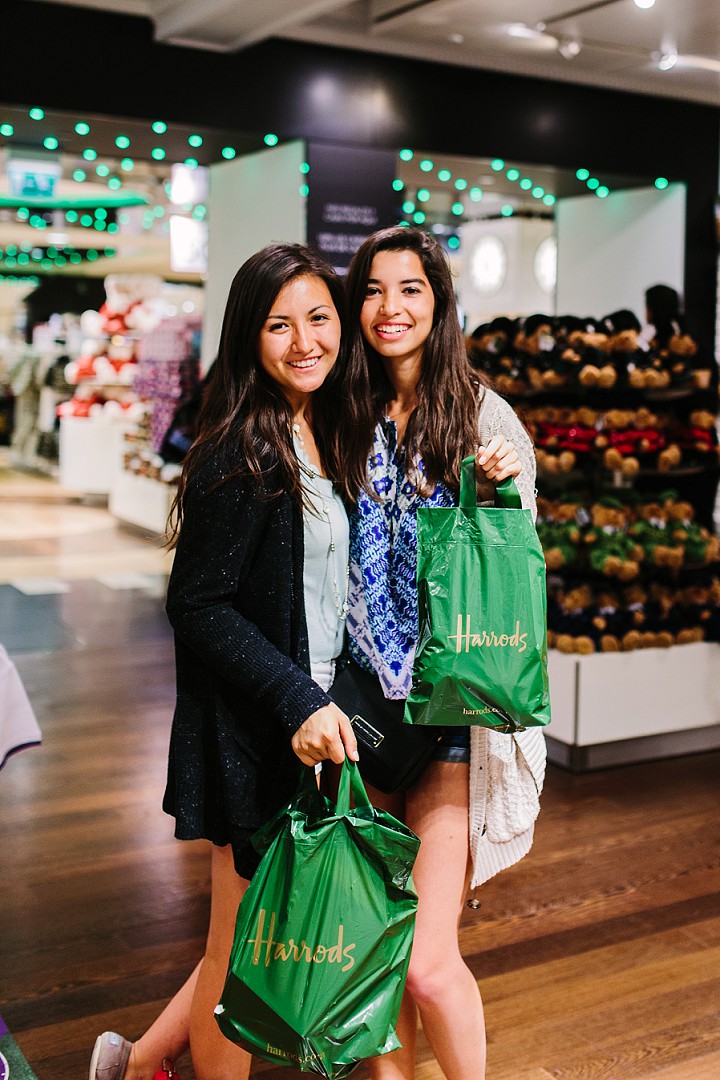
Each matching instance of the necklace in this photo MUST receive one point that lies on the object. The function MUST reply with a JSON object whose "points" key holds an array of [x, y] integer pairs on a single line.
{"points": [[340, 604]]}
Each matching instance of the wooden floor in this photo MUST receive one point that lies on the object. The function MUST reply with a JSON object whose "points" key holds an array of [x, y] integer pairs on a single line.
{"points": [[598, 956]]}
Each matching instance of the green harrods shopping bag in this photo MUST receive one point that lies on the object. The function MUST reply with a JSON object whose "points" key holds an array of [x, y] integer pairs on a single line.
{"points": [[482, 649], [323, 934]]}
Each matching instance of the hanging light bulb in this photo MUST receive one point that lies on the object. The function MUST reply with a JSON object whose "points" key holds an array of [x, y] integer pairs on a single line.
{"points": [[667, 61], [645, 4]]}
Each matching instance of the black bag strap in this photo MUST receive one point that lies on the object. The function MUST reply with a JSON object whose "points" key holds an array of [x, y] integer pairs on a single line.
{"points": [[506, 493]]}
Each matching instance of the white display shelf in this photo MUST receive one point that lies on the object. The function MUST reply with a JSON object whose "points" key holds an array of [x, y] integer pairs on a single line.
{"points": [[614, 708], [142, 501], [90, 455]]}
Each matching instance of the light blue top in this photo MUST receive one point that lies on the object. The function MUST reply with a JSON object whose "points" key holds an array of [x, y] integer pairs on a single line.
{"points": [[325, 573]]}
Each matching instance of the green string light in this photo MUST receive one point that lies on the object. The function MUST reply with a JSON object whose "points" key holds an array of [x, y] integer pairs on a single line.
{"points": [[127, 164], [513, 174], [79, 175], [419, 217], [497, 164], [157, 153], [423, 195], [50, 143], [593, 183], [398, 185], [408, 207], [36, 114], [159, 127], [453, 242], [195, 141], [538, 192], [602, 192], [461, 184], [549, 200], [114, 183], [122, 142], [457, 208], [506, 210], [444, 175], [526, 183], [7, 130], [103, 170], [406, 155], [427, 165], [476, 194], [228, 153], [82, 128], [191, 162], [304, 190], [661, 183], [270, 139], [89, 154], [582, 174]]}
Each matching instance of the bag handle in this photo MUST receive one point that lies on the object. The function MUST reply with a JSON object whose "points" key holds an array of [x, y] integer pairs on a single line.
{"points": [[350, 780], [506, 493]]}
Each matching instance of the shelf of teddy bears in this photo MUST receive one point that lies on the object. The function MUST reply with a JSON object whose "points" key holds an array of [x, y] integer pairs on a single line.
{"points": [[628, 466]]}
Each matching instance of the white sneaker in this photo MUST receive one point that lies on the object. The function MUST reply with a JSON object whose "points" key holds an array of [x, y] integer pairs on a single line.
{"points": [[110, 1057]]}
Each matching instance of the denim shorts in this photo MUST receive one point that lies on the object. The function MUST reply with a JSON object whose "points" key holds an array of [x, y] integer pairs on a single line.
{"points": [[454, 745]]}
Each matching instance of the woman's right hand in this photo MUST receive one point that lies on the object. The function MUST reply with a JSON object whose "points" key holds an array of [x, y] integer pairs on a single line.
{"points": [[325, 734]]}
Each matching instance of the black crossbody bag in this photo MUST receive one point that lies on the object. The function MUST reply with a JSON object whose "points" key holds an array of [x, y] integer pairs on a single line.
{"points": [[392, 754]]}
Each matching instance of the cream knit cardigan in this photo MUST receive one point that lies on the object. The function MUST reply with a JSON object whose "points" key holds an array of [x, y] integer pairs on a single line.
{"points": [[506, 771]]}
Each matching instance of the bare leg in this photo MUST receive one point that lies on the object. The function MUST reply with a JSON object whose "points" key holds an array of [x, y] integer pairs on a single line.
{"points": [[168, 1036], [214, 1056], [439, 982]]}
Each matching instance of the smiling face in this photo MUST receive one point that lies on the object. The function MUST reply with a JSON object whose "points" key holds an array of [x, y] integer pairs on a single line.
{"points": [[300, 339], [397, 314]]}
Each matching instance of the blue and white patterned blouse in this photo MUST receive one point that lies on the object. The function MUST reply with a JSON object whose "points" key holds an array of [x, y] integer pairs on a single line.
{"points": [[383, 616]]}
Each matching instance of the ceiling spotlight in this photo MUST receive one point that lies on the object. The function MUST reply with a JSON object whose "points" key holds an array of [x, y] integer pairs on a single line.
{"points": [[667, 61], [457, 39], [645, 4], [520, 30], [569, 48]]}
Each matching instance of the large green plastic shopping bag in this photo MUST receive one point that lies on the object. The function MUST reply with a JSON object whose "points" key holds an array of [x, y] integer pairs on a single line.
{"points": [[482, 648], [323, 934]]}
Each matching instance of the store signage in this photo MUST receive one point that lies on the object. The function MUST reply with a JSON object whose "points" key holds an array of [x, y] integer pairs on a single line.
{"points": [[350, 196], [32, 178]]}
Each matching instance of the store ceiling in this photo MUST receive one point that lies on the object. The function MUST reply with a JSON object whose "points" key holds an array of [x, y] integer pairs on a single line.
{"points": [[616, 44], [664, 47]]}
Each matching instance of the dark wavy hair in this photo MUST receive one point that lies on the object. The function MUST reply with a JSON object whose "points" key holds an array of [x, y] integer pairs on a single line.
{"points": [[443, 428], [242, 405]]}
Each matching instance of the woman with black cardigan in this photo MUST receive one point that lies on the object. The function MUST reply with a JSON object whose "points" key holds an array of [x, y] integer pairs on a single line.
{"points": [[257, 600]]}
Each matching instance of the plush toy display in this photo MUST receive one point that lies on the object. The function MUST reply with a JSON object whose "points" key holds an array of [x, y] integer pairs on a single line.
{"points": [[612, 412], [612, 550]]}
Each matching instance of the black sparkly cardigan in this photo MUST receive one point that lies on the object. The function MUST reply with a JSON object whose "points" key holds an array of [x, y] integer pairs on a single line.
{"points": [[235, 602]]}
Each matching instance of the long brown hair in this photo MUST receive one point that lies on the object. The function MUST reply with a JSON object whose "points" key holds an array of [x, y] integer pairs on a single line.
{"points": [[444, 426], [244, 408]]}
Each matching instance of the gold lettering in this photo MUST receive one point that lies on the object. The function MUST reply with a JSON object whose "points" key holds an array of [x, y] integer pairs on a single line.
{"points": [[466, 637], [351, 960], [290, 950], [334, 954]]}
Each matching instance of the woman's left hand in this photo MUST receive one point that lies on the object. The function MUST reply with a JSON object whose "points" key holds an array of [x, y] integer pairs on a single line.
{"points": [[496, 461]]}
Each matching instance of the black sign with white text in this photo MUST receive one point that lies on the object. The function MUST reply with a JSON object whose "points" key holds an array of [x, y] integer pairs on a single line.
{"points": [[351, 195]]}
